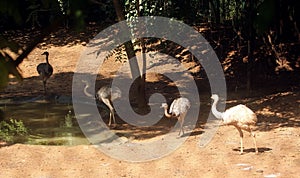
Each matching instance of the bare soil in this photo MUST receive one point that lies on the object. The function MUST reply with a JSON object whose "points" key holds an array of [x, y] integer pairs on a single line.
{"points": [[277, 131]]}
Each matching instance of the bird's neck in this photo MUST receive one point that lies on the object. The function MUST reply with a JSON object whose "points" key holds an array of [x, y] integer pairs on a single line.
{"points": [[216, 113], [86, 92], [167, 114], [47, 59]]}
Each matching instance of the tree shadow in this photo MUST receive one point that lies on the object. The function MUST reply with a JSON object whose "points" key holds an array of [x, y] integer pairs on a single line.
{"points": [[278, 110], [273, 109], [192, 133], [60, 37]]}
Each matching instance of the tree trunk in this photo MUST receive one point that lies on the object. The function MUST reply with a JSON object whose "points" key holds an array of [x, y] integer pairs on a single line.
{"points": [[142, 90], [217, 13], [250, 47], [215, 9], [134, 67], [224, 15]]}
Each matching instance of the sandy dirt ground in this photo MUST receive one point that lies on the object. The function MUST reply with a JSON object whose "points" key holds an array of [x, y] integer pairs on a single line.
{"points": [[277, 130]]}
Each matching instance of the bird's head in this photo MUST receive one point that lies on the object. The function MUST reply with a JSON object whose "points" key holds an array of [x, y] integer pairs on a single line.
{"points": [[97, 96], [214, 97], [45, 53], [164, 105], [85, 82]]}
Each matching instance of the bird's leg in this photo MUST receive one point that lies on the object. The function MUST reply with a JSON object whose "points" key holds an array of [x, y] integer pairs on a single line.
{"points": [[254, 140], [111, 109], [181, 124], [109, 122], [181, 120], [181, 127], [241, 138], [45, 89], [112, 115], [242, 146], [253, 137]]}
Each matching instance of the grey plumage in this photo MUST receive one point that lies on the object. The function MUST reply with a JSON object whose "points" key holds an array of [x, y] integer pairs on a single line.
{"points": [[106, 94], [45, 70], [178, 109]]}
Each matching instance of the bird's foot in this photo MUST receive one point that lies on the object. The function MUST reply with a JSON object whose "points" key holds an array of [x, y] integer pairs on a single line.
{"points": [[179, 135], [242, 151], [112, 125]]}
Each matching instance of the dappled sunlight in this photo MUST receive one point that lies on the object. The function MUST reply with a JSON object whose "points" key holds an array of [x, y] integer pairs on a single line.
{"points": [[261, 67], [273, 110], [266, 112], [278, 110]]}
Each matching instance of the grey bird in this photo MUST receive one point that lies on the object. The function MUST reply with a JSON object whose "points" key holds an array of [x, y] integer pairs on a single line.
{"points": [[178, 109], [106, 94]]}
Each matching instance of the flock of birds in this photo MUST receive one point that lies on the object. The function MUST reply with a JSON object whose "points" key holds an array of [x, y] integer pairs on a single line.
{"points": [[240, 116]]}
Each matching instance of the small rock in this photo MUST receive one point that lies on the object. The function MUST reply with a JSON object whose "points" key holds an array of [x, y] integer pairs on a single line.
{"points": [[272, 175], [259, 170], [247, 168]]}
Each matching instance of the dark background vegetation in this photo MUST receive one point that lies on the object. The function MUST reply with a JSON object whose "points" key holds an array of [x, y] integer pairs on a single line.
{"points": [[257, 41]]}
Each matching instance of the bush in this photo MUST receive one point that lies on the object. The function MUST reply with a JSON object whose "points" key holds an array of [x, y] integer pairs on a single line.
{"points": [[12, 130]]}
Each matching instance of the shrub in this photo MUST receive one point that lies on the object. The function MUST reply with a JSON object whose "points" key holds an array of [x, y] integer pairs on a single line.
{"points": [[12, 130]]}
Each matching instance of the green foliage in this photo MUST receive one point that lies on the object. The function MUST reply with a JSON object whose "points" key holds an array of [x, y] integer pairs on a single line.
{"points": [[11, 129], [280, 17], [68, 122], [265, 16], [11, 9], [40, 13], [168, 8]]}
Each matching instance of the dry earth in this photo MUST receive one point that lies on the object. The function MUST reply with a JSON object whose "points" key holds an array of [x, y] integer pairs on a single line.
{"points": [[278, 136]]}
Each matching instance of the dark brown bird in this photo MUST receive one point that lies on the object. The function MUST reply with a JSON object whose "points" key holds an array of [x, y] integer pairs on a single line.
{"points": [[45, 70]]}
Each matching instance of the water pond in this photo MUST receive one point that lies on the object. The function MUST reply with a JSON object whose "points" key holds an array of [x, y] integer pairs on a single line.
{"points": [[48, 123]]}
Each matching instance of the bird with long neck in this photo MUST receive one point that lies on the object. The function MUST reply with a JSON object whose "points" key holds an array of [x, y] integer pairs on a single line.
{"points": [[178, 109], [106, 94], [45, 71], [240, 116]]}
